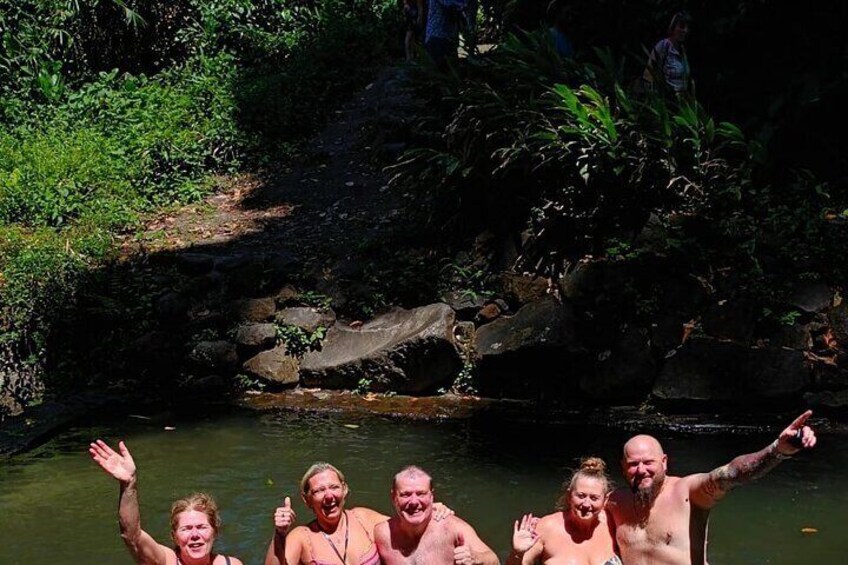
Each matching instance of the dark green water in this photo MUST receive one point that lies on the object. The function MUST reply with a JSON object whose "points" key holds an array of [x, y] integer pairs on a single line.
{"points": [[57, 506]]}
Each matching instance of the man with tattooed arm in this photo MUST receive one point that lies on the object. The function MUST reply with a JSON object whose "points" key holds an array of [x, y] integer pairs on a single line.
{"points": [[662, 520]]}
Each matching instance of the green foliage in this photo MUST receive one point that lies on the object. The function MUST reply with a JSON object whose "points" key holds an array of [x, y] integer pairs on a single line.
{"points": [[564, 154], [114, 108], [364, 385], [298, 341]]}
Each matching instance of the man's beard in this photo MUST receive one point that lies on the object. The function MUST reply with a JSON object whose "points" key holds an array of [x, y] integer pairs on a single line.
{"points": [[644, 498]]}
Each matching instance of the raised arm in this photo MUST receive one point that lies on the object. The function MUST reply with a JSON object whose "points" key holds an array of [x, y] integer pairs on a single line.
{"points": [[526, 546], [469, 549], [706, 489], [283, 549], [121, 466]]}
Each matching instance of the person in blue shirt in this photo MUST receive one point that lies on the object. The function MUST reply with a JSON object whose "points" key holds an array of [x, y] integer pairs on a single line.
{"points": [[563, 45]]}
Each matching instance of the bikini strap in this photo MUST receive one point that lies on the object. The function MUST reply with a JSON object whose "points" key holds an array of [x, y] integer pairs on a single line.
{"points": [[227, 560], [356, 515], [309, 543]]}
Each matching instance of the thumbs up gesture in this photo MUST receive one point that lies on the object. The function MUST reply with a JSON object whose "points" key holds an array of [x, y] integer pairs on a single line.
{"points": [[462, 553], [284, 517]]}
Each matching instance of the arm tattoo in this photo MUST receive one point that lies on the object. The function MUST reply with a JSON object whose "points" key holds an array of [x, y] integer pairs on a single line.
{"points": [[741, 470]]}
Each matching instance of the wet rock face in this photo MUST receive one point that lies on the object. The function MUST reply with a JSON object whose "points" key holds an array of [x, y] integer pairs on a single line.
{"points": [[709, 370], [624, 372], [521, 355], [409, 351]]}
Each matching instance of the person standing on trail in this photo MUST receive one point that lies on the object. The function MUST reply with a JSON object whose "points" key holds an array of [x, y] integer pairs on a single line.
{"points": [[445, 18], [413, 13], [668, 62]]}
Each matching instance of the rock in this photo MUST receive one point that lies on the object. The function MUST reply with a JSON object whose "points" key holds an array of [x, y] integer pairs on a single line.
{"points": [[626, 372], [214, 356], [796, 336], [731, 319], [194, 263], [522, 289], [252, 337], [708, 370], [286, 295], [171, 307], [208, 385], [837, 317], [154, 352], [247, 280], [463, 333], [465, 304], [305, 318], [274, 365], [409, 351], [487, 313], [233, 263], [812, 297], [827, 403], [516, 354], [282, 263], [667, 331], [253, 309], [349, 269]]}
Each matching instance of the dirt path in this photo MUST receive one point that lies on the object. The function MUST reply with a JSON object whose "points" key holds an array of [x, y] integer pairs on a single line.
{"points": [[332, 202]]}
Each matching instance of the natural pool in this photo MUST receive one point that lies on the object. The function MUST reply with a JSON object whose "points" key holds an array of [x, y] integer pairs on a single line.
{"points": [[57, 506]]}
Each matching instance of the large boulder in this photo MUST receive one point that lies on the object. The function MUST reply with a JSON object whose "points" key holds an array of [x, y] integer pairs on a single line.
{"points": [[624, 372], [812, 297], [408, 351], [252, 338], [306, 318], [828, 403], [523, 289], [275, 366], [252, 310], [214, 357], [516, 354], [735, 320], [707, 370]]}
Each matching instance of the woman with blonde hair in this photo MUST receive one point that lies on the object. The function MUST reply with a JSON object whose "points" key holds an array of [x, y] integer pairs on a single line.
{"points": [[195, 522], [337, 535], [579, 532]]}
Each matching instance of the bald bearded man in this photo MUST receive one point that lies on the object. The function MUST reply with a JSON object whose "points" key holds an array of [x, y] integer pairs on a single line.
{"points": [[662, 520]]}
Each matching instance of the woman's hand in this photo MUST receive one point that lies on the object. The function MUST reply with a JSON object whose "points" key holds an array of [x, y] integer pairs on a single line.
{"points": [[440, 511], [284, 517], [119, 465], [524, 535]]}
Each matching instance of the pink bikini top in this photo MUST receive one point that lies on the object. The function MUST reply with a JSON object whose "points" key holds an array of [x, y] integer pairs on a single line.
{"points": [[371, 556]]}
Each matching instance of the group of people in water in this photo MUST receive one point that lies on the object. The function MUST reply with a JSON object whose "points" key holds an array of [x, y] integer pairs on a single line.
{"points": [[654, 519]]}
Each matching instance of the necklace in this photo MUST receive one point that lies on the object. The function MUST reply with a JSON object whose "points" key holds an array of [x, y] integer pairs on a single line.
{"points": [[341, 556]]}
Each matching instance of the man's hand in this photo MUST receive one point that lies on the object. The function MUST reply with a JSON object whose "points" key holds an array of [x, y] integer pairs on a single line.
{"points": [[284, 517], [462, 554], [524, 535], [797, 436]]}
